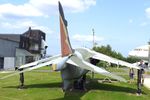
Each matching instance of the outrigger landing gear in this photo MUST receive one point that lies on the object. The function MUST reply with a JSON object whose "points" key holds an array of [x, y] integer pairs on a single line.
{"points": [[21, 80], [139, 86]]}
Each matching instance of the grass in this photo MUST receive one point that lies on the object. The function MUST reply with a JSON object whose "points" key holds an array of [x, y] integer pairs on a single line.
{"points": [[47, 86]]}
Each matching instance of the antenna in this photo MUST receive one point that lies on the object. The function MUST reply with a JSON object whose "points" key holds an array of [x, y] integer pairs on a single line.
{"points": [[93, 37], [93, 47], [149, 54]]}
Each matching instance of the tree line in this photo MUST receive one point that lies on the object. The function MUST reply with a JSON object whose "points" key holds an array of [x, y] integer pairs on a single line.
{"points": [[107, 50]]}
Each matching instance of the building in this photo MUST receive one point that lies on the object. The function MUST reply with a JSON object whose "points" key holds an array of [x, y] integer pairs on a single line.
{"points": [[140, 52], [19, 49]]}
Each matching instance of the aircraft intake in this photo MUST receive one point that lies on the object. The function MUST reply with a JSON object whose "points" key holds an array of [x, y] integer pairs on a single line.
{"points": [[59, 64]]}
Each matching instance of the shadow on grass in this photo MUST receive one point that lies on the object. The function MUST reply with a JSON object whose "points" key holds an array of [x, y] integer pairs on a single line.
{"points": [[77, 94], [74, 95], [95, 85]]}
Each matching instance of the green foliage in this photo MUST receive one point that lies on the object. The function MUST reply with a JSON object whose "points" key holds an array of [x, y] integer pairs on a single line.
{"points": [[105, 50], [132, 59], [102, 64]]}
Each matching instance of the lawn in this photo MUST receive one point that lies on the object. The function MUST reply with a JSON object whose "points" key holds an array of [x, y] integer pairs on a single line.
{"points": [[47, 86]]}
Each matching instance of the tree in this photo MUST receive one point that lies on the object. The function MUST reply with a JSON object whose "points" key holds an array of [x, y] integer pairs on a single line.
{"points": [[107, 50], [132, 59]]}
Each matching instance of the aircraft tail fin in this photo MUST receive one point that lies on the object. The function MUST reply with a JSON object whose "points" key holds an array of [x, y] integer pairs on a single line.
{"points": [[66, 48]]}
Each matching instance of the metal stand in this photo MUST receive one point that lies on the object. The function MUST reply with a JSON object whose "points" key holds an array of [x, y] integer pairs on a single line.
{"points": [[21, 80], [139, 86], [92, 75], [107, 80]]}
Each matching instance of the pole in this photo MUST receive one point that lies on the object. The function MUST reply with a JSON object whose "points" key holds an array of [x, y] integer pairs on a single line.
{"points": [[93, 47], [149, 54], [93, 37]]}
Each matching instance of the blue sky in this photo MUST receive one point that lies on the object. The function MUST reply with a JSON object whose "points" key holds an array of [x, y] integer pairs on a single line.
{"points": [[124, 24]]}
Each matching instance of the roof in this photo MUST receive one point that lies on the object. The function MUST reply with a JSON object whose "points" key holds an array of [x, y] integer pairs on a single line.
{"points": [[143, 47], [21, 52], [140, 52], [10, 37], [34, 33]]}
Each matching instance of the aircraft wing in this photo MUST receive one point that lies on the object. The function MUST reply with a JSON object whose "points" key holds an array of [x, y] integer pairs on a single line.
{"points": [[38, 62], [99, 56], [59, 60], [103, 57], [85, 65]]}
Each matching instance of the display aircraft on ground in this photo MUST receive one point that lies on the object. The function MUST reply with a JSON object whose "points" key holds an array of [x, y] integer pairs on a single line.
{"points": [[73, 64]]}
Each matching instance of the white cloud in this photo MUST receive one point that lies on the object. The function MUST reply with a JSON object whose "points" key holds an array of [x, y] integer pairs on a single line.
{"points": [[144, 24], [130, 20], [24, 25], [88, 38], [43, 7], [147, 11], [71, 5], [26, 10]]}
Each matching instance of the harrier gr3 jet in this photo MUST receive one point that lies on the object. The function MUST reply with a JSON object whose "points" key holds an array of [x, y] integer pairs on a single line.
{"points": [[73, 64]]}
